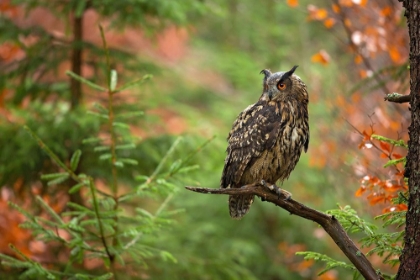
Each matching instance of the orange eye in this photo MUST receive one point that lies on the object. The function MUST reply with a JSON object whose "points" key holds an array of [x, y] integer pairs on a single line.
{"points": [[281, 86]]}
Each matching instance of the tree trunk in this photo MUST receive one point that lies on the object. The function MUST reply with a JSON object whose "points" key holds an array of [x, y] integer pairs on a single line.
{"points": [[76, 60], [410, 258]]}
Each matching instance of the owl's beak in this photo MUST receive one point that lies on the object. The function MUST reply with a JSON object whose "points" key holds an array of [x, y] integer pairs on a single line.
{"points": [[270, 95]]}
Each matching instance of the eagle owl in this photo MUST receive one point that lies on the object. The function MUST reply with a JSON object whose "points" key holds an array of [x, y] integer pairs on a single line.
{"points": [[267, 138]]}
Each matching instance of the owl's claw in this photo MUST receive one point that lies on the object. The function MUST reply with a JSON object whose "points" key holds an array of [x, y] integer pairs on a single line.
{"points": [[277, 190]]}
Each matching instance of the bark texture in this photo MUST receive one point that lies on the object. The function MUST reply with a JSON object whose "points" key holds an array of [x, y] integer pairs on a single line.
{"points": [[410, 258]]}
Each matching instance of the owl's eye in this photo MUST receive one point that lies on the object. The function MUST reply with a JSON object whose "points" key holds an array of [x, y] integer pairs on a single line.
{"points": [[281, 86]]}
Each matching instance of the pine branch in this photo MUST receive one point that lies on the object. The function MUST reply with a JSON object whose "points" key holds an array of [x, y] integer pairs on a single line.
{"points": [[329, 223]]}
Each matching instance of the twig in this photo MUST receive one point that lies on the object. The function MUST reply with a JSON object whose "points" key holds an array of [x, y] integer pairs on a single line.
{"points": [[329, 223], [397, 98]]}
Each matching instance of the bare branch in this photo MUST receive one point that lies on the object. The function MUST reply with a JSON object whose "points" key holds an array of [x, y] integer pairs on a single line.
{"points": [[329, 223], [397, 98]]}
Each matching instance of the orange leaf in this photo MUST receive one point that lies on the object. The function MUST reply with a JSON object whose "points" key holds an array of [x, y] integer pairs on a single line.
{"points": [[385, 146], [292, 3], [358, 59], [346, 3], [393, 188], [360, 191], [383, 155], [397, 156], [394, 54], [321, 57], [386, 11], [377, 199], [336, 8], [347, 22], [316, 14], [365, 135], [356, 97], [395, 208], [360, 2], [363, 74], [329, 22]]}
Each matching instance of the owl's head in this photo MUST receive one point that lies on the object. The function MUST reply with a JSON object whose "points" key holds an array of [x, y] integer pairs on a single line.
{"points": [[281, 86]]}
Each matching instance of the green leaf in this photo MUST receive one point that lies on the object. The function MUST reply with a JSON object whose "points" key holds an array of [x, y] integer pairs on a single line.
{"points": [[135, 82], [166, 256], [399, 143], [59, 180], [104, 277], [74, 161], [91, 140], [130, 114], [76, 188], [125, 146], [119, 163], [129, 161], [121, 125], [175, 165], [188, 168], [395, 162], [52, 176], [101, 108], [141, 178], [102, 116], [101, 148], [114, 80], [80, 8], [85, 81], [105, 156]]}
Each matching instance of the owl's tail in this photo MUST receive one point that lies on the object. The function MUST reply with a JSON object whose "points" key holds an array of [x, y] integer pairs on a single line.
{"points": [[239, 205]]}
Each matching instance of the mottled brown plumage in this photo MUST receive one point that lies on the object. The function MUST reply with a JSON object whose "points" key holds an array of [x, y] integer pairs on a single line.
{"points": [[267, 138]]}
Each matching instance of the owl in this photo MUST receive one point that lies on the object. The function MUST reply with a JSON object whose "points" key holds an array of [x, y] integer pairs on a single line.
{"points": [[267, 138]]}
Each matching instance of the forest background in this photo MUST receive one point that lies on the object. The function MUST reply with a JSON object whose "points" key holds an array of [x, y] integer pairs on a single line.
{"points": [[204, 58]]}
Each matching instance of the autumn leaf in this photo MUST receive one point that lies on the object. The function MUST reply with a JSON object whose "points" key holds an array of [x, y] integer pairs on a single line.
{"points": [[396, 156], [316, 14], [393, 188], [336, 8], [385, 146], [321, 57], [360, 191], [346, 3], [377, 199], [394, 54], [386, 11], [358, 59], [383, 155], [292, 3], [329, 22], [360, 2]]}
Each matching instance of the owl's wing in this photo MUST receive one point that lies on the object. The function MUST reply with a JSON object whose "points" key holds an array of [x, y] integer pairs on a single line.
{"points": [[254, 131]]}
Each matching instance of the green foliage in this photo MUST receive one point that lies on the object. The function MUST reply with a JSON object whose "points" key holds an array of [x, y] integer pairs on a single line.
{"points": [[229, 45], [94, 229], [398, 143], [386, 245], [330, 263]]}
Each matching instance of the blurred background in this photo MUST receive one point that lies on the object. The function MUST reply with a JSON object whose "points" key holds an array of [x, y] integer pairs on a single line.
{"points": [[205, 58]]}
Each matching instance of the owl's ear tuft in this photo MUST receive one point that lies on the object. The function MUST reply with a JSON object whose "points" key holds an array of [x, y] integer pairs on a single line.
{"points": [[289, 73], [267, 74]]}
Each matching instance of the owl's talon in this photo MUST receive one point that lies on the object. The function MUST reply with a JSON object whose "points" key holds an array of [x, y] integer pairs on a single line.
{"points": [[288, 195], [277, 190]]}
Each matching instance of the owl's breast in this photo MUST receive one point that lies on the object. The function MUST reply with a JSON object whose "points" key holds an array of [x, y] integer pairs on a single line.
{"points": [[277, 162]]}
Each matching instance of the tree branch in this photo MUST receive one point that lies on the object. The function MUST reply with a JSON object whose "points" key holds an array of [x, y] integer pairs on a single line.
{"points": [[329, 223], [397, 98]]}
